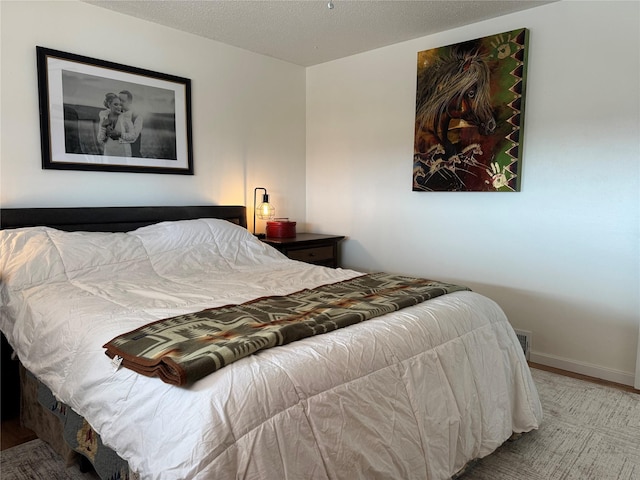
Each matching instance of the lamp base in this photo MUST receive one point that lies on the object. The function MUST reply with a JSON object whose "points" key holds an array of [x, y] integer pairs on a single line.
{"points": [[260, 235]]}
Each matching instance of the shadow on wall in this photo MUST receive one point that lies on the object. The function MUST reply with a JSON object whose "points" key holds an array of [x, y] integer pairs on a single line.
{"points": [[593, 337], [593, 334], [354, 249]]}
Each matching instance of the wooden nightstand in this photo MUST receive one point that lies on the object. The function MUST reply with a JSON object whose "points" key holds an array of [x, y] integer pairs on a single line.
{"points": [[309, 247]]}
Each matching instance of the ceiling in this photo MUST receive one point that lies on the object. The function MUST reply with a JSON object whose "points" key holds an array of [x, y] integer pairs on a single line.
{"points": [[308, 32]]}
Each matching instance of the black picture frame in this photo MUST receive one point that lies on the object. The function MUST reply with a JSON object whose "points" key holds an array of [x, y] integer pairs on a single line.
{"points": [[469, 123], [72, 94]]}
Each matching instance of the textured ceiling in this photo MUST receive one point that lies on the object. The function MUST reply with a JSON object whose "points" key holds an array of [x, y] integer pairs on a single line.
{"points": [[308, 32]]}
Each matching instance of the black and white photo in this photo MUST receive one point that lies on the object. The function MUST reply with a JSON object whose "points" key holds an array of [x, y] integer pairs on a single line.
{"points": [[98, 115]]}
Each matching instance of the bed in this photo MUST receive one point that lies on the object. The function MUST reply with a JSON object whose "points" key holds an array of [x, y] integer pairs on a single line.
{"points": [[414, 394]]}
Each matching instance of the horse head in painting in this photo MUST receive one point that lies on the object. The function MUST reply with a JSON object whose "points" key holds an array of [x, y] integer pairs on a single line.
{"points": [[455, 86]]}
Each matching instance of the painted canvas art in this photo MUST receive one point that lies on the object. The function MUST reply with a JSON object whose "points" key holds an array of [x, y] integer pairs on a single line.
{"points": [[469, 115]]}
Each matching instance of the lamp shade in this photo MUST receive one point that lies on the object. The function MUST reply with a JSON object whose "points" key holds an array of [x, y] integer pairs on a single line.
{"points": [[265, 210]]}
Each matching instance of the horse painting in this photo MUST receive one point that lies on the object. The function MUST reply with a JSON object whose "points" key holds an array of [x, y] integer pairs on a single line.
{"points": [[468, 105]]}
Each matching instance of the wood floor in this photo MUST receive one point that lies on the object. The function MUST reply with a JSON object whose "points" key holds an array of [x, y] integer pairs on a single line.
{"points": [[626, 388], [12, 433]]}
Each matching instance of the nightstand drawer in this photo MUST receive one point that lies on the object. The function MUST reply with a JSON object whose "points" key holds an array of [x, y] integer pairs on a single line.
{"points": [[313, 248], [313, 254]]}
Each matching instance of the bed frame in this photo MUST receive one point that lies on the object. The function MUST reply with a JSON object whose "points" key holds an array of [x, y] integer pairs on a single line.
{"points": [[114, 219]]}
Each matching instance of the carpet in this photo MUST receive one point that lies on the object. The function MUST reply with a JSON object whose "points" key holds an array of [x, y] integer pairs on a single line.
{"points": [[36, 460], [589, 432]]}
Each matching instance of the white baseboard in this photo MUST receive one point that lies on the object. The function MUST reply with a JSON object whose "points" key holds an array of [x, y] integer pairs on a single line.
{"points": [[617, 376]]}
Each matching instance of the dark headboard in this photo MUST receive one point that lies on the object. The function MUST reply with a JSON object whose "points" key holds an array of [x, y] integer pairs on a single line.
{"points": [[114, 219]]}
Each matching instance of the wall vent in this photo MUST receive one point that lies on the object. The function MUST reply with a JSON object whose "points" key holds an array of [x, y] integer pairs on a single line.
{"points": [[524, 338]]}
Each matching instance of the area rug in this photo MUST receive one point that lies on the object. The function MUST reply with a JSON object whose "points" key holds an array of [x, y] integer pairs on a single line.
{"points": [[589, 432], [36, 460]]}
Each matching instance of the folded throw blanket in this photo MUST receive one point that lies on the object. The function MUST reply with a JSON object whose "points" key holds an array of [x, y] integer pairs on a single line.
{"points": [[185, 348]]}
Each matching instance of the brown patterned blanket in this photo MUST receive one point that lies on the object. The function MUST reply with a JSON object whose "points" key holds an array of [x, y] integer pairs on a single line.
{"points": [[185, 348]]}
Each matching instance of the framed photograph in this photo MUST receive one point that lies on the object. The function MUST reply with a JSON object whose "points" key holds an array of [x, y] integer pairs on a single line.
{"points": [[99, 115], [469, 115]]}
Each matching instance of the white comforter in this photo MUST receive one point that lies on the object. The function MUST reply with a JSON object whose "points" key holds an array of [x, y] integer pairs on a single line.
{"points": [[411, 395]]}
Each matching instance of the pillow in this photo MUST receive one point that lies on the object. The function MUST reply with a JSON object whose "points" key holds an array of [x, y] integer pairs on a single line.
{"points": [[167, 236], [85, 253], [29, 257], [202, 245]]}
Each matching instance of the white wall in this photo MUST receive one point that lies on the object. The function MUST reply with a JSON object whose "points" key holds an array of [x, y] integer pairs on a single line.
{"points": [[248, 113], [561, 256]]}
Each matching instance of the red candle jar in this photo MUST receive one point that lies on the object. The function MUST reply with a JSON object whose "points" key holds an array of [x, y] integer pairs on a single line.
{"points": [[281, 228]]}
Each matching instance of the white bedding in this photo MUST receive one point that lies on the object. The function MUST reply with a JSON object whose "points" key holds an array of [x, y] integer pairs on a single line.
{"points": [[410, 395]]}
